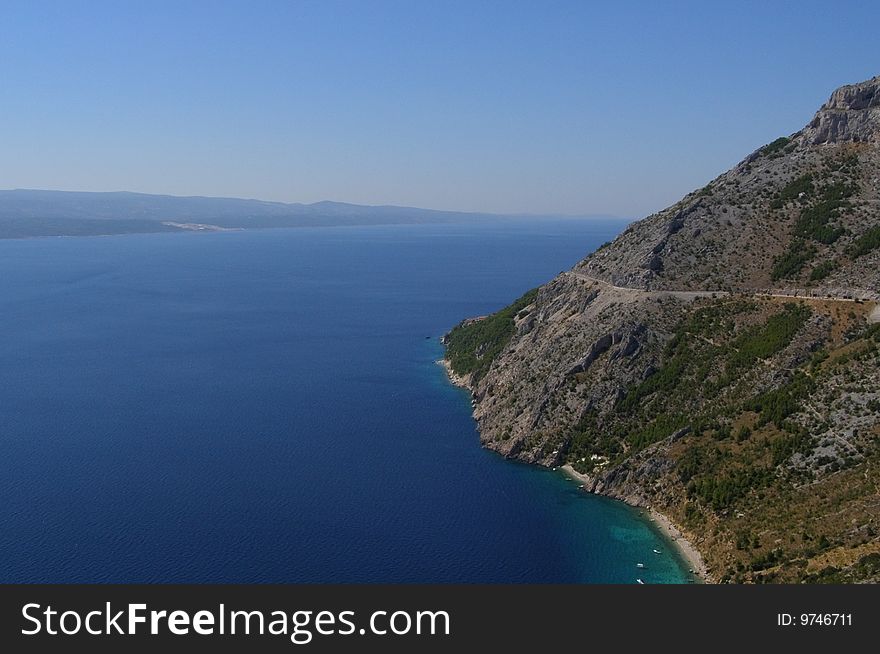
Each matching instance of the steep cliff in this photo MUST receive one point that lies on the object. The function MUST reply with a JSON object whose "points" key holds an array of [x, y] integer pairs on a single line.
{"points": [[717, 360]]}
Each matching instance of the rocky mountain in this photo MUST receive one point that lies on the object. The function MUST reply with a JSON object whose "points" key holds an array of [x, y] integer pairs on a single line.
{"points": [[719, 361]]}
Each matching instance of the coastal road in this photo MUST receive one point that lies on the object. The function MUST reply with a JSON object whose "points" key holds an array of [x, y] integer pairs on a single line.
{"points": [[688, 296], [841, 295]]}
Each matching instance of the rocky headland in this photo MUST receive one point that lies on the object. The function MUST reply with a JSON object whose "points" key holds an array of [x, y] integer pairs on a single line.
{"points": [[719, 361]]}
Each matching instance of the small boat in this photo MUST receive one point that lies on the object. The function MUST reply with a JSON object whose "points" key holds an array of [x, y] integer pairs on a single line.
{"points": [[656, 551], [640, 581], [640, 565]]}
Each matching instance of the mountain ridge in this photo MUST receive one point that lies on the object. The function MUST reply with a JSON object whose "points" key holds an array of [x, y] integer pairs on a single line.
{"points": [[661, 250]]}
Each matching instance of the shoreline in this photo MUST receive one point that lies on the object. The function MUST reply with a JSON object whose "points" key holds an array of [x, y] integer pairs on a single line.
{"points": [[455, 379], [686, 550]]}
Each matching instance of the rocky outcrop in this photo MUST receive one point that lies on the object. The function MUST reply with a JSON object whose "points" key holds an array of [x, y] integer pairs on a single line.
{"points": [[851, 114], [599, 347]]}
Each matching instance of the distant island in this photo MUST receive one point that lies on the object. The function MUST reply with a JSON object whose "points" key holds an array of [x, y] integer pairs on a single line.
{"points": [[718, 362], [28, 213]]}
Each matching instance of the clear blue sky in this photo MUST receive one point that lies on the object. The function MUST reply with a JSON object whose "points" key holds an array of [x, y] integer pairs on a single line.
{"points": [[573, 107]]}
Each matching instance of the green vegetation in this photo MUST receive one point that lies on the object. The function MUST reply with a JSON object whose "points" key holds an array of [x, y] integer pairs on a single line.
{"points": [[587, 439], [696, 367], [792, 260], [796, 439], [684, 363], [777, 148], [666, 379], [793, 190], [661, 427], [776, 405], [720, 492], [816, 221], [740, 419], [718, 481], [866, 567], [822, 271], [706, 191], [865, 243], [680, 360], [848, 163], [766, 340], [473, 345]]}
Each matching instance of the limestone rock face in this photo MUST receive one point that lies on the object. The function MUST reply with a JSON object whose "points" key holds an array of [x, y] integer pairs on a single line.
{"points": [[852, 114]]}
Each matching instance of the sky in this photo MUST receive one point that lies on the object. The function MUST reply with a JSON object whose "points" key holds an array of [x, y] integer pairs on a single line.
{"points": [[516, 107]]}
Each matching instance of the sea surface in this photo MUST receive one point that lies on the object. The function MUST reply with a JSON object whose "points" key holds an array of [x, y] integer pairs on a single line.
{"points": [[265, 406]]}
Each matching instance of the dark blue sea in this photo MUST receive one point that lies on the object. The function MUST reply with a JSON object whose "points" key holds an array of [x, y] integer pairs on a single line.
{"points": [[265, 406]]}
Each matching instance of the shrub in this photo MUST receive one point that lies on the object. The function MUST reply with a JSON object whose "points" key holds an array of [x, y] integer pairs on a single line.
{"points": [[865, 243], [792, 190], [815, 221], [764, 341], [823, 270], [792, 260], [471, 347], [775, 148], [777, 405]]}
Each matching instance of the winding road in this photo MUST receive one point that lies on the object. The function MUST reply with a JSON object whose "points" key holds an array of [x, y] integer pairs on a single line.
{"points": [[848, 295]]}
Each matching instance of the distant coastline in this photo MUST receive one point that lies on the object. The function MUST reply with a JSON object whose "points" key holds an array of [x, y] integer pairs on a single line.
{"points": [[30, 213]]}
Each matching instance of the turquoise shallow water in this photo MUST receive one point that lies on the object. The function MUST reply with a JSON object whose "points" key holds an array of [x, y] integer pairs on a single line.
{"points": [[265, 407]]}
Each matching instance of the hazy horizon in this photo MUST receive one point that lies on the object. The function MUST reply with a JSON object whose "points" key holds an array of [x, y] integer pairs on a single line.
{"points": [[566, 108]]}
